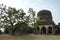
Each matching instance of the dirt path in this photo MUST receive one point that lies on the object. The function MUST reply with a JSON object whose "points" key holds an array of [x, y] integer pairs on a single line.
{"points": [[11, 37], [29, 37]]}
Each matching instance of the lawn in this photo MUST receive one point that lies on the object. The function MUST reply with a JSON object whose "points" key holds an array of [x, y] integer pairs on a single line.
{"points": [[29, 37]]}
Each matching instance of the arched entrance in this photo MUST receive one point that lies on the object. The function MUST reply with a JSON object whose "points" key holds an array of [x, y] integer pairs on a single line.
{"points": [[50, 30], [43, 30]]}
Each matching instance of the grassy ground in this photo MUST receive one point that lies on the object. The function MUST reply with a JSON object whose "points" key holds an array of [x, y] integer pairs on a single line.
{"points": [[29, 37]]}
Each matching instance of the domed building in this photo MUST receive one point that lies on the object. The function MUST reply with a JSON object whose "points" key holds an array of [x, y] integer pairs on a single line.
{"points": [[46, 23], [44, 15]]}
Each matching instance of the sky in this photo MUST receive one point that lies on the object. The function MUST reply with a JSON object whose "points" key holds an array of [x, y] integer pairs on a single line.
{"points": [[37, 5]]}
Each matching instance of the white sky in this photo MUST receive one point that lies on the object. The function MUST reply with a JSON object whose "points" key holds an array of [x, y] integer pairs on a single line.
{"points": [[37, 5]]}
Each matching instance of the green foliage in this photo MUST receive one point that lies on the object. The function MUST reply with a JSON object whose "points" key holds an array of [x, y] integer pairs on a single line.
{"points": [[36, 24], [2, 13], [22, 26], [0, 32], [22, 13], [6, 30], [32, 16], [14, 19], [30, 30]]}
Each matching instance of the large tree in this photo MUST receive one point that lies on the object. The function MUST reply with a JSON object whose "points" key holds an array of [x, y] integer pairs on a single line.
{"points": [[12, 19], [2, 13], [32, 16]]}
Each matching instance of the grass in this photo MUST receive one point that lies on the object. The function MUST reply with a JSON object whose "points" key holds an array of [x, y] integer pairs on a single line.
{"points": [[29, 37]]}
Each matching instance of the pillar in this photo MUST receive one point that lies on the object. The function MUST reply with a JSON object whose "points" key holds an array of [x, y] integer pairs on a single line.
{"points": [[40, 31], [46, 31], [52, 30]]}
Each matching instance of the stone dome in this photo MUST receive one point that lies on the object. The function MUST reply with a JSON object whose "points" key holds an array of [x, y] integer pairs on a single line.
{"points": [[44, 15]]}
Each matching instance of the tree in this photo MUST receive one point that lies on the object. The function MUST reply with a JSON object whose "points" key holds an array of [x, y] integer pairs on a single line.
{"points": [[14, 16], [21, 27], [2, 13], [23, 24], [36, 26], [32, 16], [12, 19]]}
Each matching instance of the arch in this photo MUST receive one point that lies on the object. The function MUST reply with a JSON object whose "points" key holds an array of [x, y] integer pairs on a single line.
{"points": [[43, 30], [50, 30]]}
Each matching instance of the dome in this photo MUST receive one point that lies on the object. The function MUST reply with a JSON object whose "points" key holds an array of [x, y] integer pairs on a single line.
{"points": [[44, 12], [44, 15]]}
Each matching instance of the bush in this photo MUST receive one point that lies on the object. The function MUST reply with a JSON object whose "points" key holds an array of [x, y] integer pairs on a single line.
{"points": [[6, 30], [0, 32], [30, 30]]}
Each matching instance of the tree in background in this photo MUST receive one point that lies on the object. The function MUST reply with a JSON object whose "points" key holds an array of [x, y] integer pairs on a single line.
{"points": [[36, 26], [32, 16], [14, 20], [2, 13], [22, 23]]}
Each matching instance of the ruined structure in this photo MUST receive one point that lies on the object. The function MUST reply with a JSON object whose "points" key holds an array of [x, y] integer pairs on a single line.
{"points": [[46, 23]]}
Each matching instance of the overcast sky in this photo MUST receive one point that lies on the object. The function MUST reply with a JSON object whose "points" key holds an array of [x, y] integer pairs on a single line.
{"points": [[52, 5]]}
